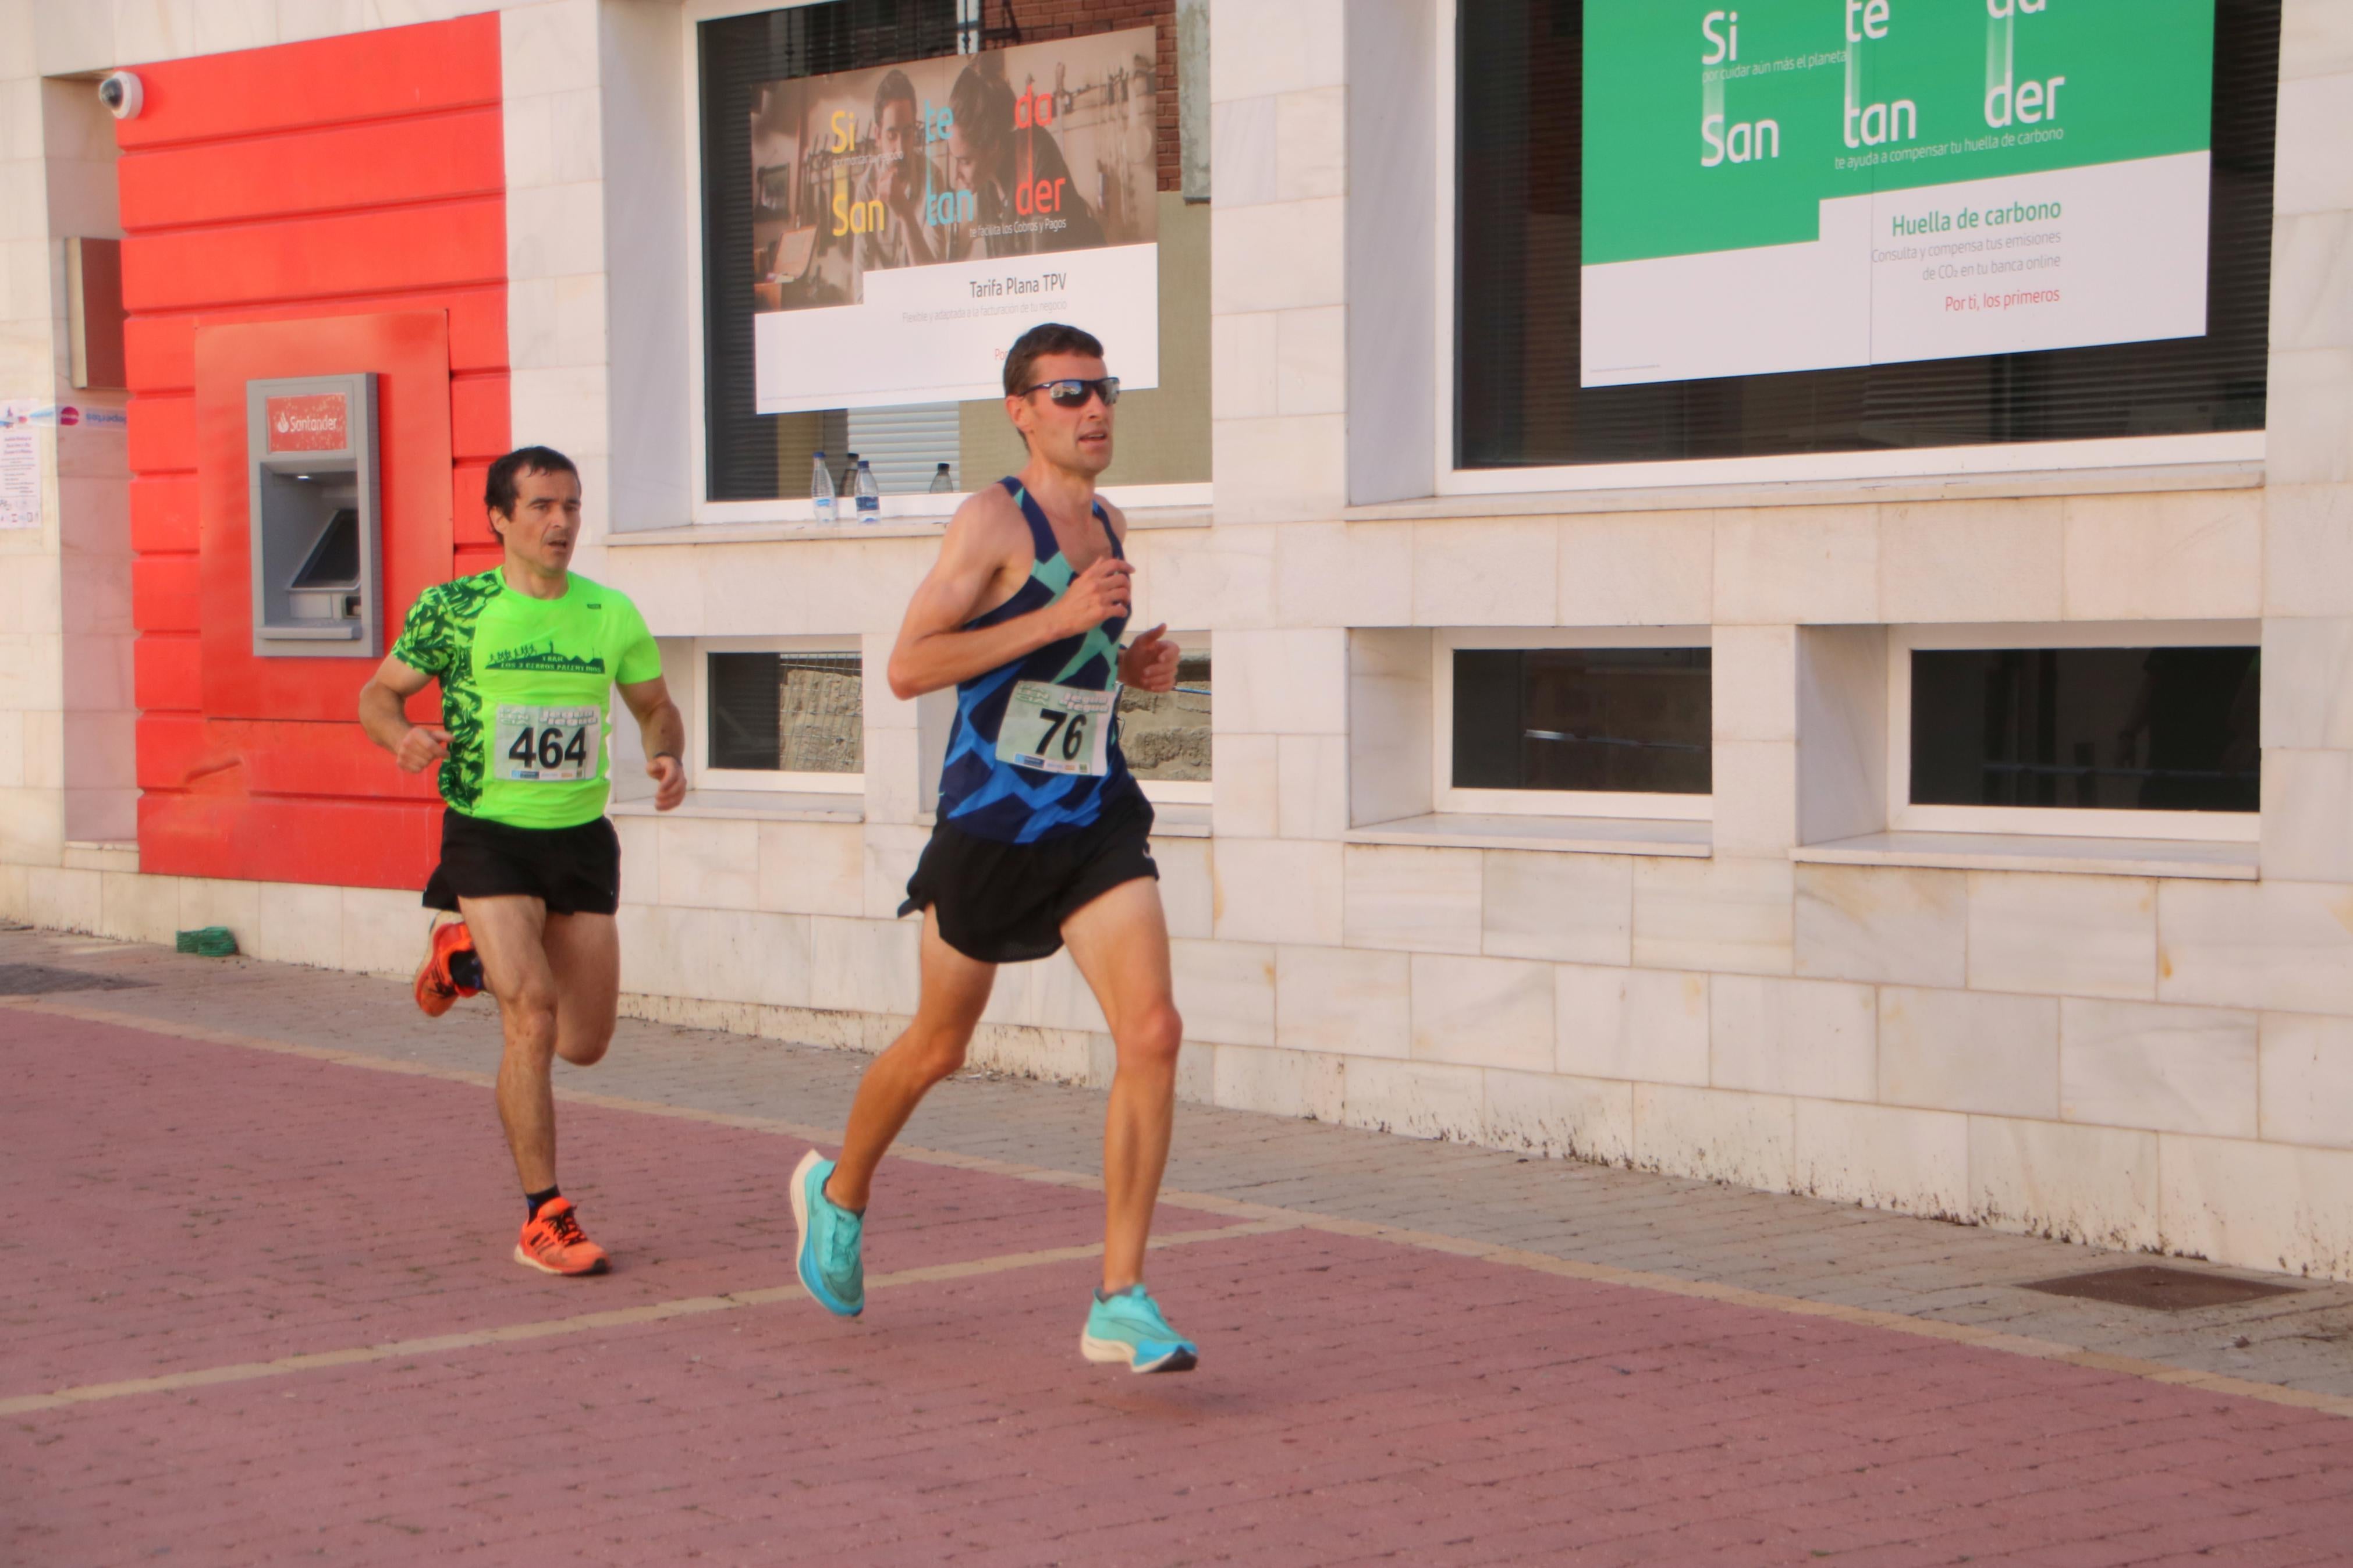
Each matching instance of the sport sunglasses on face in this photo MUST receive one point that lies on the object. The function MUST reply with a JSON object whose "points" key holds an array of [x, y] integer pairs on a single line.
{"points": [[1074, 393]]}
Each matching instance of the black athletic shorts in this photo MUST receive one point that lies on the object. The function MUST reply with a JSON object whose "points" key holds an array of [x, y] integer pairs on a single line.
{"points": [[1005, 903], [574, 871]]}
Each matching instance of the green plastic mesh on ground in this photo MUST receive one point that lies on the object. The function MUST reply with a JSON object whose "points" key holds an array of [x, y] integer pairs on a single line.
{"points": [[209, 941]]}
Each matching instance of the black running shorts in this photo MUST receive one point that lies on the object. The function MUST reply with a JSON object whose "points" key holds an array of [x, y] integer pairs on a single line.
{"points": [[573, 870], [1005, 903]]}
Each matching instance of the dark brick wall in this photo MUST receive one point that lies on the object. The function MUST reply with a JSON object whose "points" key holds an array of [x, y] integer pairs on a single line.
{"points": [[1044, 19]]}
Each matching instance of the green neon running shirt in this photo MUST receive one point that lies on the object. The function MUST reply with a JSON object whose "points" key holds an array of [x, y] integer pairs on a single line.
{"points": [[526, 692]]}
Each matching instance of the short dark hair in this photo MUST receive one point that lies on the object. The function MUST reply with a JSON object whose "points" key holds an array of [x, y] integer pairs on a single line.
{"points": [[894, 87], [498, 489], [981, 103], [1046, 338]]}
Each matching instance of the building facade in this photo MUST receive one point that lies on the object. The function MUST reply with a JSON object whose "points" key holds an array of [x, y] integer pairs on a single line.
{"points": [[1664, 689]]}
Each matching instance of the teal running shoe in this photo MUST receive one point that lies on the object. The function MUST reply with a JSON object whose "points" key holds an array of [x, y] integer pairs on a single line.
{"points": [[830, 1269], [1127, 1328]]}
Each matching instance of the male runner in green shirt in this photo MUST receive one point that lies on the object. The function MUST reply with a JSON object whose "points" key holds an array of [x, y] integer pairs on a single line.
{"points": [[527, 656]]}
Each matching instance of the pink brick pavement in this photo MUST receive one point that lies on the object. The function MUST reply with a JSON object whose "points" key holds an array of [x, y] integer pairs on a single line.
{"points": [[1357, 1400]]}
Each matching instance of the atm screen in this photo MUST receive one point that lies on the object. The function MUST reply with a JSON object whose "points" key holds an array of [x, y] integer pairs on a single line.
{"points": [[334, 560]]}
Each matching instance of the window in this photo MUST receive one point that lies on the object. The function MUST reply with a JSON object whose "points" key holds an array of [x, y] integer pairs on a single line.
{"points": [[1601, 724], [750, 228], [1166, 734], [780, 718], [794, 217], [1533, 198], [2132, 732]]}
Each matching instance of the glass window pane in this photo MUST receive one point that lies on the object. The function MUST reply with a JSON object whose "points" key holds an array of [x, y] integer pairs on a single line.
{"points": [[767, 241], [751, 231], [799, 712], [1620, 719], [1519, 232], [2115, 729], [1166, 734]]}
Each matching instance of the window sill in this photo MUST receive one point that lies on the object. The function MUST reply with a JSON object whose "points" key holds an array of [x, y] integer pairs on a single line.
{"points": [[754, 805], [1179, 819], [2035, 852], [1139, 517], [2223, 475], [1566, 834]]}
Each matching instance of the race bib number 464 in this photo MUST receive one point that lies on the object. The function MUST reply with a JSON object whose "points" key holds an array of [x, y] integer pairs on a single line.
{"points": [[547, 745], [1058, 729]]}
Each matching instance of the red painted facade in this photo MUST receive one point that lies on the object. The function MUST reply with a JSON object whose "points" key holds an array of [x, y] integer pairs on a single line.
{"points": [[324, 206]]}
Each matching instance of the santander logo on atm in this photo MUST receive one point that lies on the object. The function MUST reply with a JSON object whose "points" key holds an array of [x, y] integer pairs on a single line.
{"points": [[317, 423]]}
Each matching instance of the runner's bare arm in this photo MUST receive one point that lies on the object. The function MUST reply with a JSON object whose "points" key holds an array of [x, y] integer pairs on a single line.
{"points": [[932, 651], [384, 714], [1148, 662], [663, 730]]}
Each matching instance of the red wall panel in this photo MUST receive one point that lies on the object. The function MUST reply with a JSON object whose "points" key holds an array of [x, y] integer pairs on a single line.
{"points": [[163, 435], [274, 757], [161, 350], [321, 207], [383, 164], [334, 81], [165, 593], [282, 838], [164, 513], [456, 242], [166, 675], [471, 517], [479, 416]]}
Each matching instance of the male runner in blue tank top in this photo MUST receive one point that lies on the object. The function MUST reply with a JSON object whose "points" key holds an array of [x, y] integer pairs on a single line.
{"points": [[1043, 831]]}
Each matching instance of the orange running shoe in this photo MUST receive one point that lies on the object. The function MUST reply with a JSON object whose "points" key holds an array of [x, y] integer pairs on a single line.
{"points": [[437, 989], [554, 1242]]}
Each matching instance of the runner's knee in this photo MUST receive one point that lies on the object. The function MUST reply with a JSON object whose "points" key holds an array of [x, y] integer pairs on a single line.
{"points": [[1152, 1038], [530, 1019], [938, 1053], [584, 1051]]}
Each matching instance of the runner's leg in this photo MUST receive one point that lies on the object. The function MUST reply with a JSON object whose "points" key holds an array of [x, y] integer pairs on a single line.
{"points": [[509, 933], [584, 954], [947, 1009], [1121, 944]]}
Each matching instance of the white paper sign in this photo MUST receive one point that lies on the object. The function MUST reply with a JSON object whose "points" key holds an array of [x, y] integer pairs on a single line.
{"points": [[20, 463]]}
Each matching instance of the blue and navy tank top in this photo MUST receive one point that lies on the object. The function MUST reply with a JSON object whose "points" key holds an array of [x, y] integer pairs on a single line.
{"points": [[990, 797]]}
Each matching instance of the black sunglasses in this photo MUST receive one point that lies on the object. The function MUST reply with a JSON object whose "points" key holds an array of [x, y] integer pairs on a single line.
{"points": [[1074, 393]]}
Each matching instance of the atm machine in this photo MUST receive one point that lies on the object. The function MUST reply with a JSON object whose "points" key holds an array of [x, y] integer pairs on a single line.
{"points": [[317, 529]]}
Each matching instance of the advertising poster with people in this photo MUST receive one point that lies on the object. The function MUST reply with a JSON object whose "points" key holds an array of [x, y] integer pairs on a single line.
{"points": [[1793, 185], [910, 221]]}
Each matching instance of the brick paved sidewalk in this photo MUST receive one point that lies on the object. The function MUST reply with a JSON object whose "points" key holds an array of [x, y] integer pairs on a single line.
{"points": [[258, 1309]]}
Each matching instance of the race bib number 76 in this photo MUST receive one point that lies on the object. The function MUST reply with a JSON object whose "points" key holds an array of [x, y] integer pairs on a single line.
{"points": [[547, 745], [1058, 729]]}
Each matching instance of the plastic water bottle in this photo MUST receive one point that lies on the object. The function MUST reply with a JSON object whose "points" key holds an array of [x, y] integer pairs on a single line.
{"points": [[821, 488], [869, 494], [942, 483]]}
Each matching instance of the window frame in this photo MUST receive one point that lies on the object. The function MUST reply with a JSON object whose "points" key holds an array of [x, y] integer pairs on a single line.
{"points": [[2054, 821], [1446, 799], [2230, 446], [923, 506], [698, 719]]}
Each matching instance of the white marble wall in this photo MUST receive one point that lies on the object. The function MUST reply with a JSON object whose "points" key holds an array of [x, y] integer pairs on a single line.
{"points": [[2138, 1060], [32, 596]]}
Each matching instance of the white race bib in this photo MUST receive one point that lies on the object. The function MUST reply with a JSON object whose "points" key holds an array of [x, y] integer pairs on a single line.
{"points": [[1058, 729], [547, 745]]}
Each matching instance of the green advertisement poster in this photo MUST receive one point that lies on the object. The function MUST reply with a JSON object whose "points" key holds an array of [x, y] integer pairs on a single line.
{"points": [[1795, 184]]}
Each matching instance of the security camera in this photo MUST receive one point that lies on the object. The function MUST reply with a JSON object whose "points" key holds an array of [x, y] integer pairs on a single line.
{"points": [[122, 95]]}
